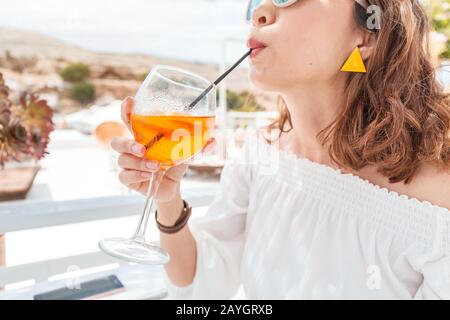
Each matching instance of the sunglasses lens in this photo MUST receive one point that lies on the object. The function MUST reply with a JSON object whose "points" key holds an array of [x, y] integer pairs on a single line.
{"points": [[255, 3], [251, 8]]}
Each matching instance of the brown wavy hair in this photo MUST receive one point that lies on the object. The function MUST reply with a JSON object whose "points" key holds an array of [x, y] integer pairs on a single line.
{"points": [[396, 116]]}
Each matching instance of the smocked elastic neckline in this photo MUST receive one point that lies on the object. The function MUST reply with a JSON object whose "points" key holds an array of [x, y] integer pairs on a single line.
{"points": [[290, 159]]}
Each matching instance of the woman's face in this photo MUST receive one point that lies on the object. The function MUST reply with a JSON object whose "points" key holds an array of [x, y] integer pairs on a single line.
{"points": [[307, 42]]}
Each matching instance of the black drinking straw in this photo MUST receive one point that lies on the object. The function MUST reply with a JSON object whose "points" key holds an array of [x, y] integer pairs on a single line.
{"points": [[218, 80]]}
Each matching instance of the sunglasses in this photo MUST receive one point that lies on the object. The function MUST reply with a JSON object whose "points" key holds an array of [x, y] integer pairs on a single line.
{"points": [[361, 12], [253, 4]]}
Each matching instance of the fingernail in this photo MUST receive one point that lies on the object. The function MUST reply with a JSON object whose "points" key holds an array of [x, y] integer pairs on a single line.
{"points": [[146, 174], [152, 165], [138, 149]]}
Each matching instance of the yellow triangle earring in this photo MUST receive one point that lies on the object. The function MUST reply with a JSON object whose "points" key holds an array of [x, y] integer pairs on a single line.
{"points": [[354, 63]]}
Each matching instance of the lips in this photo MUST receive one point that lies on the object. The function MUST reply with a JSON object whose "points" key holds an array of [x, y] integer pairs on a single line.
{"points": [[256, 46], [252, 43]]}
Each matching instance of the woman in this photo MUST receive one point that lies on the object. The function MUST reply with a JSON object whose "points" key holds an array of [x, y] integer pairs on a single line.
{"points": [[358, 204]]}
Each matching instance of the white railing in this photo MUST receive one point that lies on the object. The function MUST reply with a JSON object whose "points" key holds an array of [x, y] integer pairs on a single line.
{"points": [[25, 215], [251, 120], [42, 271]]}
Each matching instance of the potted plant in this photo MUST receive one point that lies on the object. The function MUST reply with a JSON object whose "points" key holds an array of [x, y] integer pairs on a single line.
{"points": [[24, 135]]}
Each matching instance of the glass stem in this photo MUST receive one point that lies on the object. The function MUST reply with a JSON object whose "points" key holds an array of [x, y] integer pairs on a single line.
{"points": [[153, 186]]}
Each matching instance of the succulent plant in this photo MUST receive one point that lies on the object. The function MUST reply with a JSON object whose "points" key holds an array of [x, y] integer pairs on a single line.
{"points": [[24, 127]]}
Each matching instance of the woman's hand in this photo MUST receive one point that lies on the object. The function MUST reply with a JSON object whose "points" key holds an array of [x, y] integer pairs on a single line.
{"points": [[137, 170]]}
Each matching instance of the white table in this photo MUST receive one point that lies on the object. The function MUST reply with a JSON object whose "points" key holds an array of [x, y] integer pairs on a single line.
{"points": [[77, 183], [140, 282]]}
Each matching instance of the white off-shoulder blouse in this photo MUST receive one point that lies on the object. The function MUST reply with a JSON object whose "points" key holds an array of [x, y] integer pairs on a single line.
{"points": [[285, 227]]}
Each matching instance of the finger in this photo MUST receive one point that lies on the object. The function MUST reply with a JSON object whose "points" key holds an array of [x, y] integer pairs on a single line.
{"points": [[142, 186], [130, 162], [125, 145], [129, 177], [176, 173], [139, 186], [126, 110]]}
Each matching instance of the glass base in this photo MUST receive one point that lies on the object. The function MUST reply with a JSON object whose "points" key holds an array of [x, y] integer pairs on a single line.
{"points": [[134, 251]]}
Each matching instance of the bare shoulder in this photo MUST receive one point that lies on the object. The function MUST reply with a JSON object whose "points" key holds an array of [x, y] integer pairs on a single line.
{"points": [[433, 185], [430, 183]]}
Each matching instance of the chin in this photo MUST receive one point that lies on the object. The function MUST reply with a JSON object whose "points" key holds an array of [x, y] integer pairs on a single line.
{"points": [[262, 81]]}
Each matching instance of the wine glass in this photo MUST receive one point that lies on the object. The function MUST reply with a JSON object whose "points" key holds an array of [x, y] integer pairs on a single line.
{"points": [[173, 117]]}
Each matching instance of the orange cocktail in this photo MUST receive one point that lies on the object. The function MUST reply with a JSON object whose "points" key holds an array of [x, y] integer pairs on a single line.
{"points": [[172, 139]]}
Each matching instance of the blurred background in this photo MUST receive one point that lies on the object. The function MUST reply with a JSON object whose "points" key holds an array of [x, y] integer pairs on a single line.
{"points": [[83, 57]]}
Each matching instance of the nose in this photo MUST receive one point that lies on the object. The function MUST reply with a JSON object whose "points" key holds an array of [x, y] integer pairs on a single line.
{"points": [[264, 14]]}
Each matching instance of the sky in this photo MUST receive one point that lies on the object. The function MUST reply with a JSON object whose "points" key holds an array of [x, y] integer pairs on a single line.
{"points": [[191, 30]]}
